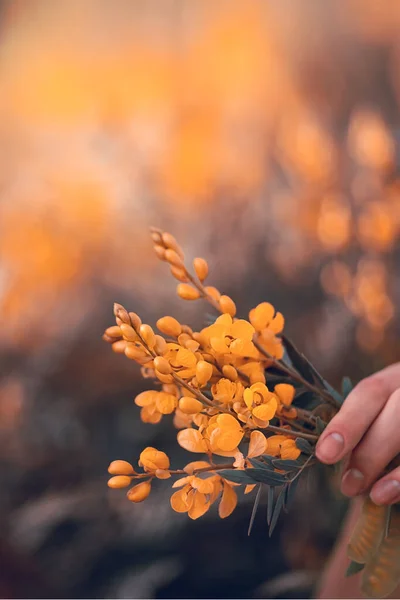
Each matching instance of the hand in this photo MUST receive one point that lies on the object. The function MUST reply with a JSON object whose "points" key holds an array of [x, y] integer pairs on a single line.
{"points": [[366, 431]]}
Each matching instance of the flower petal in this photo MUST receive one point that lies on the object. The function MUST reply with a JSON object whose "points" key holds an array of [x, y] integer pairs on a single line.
{"points": [[258, 444], [228, 501], [200, 506], [191, 440], [266, 411], [285, 393], [242, 329], [166, 403], [179, 502]]}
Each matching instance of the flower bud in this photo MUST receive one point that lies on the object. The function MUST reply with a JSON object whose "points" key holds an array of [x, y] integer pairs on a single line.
{"points": [[201, 267], [179, 274], [230, 372], [160, 345], [213, 292], [129, 333], [135, 320], [170, 242], [187, 292], [139, 492], [119, 347], [190, 406], [169, 326], [227, 305], [173, 258], [118, 482], [162, 365], [120, 467], [160, 251], [113, 332], [203, 372], [148, 335], [135, 352]]}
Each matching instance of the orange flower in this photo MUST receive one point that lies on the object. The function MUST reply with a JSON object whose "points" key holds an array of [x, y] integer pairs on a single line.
{"points": [[197, 495], [283, 447], [194, 497], [224, 434], [261, 402], [226, 336], [268, 325], [289, 450], [155, 404], [152, 459], [226, 391]]}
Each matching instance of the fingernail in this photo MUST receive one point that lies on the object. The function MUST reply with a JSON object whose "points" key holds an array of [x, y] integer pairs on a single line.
{"points": [[386, 491], [352, 482], [331, 447]]}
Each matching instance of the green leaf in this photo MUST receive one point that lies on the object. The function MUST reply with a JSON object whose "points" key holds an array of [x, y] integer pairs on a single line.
{"points": [[286, 465], [236, 475], [304, 445], [298, 360], [319, 425], [270, 507], [347, 386], [353, 568], [291, 491], [277, 510], [266, 476], [307, 370], [255, 507], [262, 464]]}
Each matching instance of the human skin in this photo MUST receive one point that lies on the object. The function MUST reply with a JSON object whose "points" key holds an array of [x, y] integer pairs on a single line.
{"points": [[365, 433]]}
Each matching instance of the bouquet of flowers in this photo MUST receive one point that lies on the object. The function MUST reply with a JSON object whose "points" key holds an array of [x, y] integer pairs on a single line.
{"points": [[249, 404]]}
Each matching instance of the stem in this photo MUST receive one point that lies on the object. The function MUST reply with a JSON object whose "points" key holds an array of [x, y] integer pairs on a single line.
{"points": [[306, 436], [203, 469]]}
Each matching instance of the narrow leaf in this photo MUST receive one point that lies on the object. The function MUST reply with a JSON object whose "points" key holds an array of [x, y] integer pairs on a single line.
{"points": [[266, 462], [353, 568], [298, 360], [277, 510], [304, 445], [286, 465], [236, 475], [319, 425], [266, 476], [270, 506], [291, 491], [255, 507]]}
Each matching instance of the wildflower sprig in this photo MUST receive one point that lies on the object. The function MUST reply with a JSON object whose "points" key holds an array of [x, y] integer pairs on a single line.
{"points": [[237, 389]]}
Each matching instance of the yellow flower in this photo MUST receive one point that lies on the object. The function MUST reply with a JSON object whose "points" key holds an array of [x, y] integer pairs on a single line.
{"points": [[285, 393], [228, 336], [283, 447], [224, 433], [261, 402], [197, 495], [155, 404], [268, 325], [194, 497], [289, 450], [192, 440], [226, 391], [152, 459]]}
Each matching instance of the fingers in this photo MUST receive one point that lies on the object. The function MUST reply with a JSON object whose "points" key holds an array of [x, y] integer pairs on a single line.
{"points": [[358, 412], [377, 448], [387, 489]]}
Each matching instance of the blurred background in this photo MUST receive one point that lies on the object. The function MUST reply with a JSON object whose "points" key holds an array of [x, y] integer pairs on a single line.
{"points": [[265, 136]]}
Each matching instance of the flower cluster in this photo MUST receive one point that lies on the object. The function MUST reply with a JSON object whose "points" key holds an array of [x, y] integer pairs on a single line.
{"points": [[221, 386]]}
